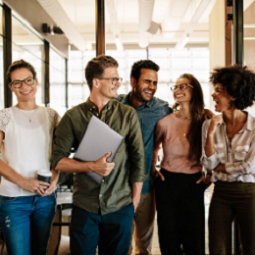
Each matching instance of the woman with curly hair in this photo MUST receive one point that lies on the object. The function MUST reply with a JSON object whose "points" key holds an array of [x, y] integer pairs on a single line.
{"points": [[228, 144]]}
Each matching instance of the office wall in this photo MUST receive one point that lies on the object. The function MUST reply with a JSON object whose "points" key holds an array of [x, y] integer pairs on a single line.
{"points": [[249, 44]]}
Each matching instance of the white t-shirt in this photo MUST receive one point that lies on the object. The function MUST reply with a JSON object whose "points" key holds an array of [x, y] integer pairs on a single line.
{"points": [[27, 144]]}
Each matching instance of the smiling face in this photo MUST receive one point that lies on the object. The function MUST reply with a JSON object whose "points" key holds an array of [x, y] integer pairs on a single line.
{"points": [[181, 96], [106, 88], [146, 86], [25, 93], [223, 101]]}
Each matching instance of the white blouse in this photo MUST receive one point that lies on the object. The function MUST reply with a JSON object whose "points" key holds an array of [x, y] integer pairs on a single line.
{"points": [[27, 144]]}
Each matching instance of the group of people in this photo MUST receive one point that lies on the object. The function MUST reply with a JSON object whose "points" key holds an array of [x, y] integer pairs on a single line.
{"points": [[123, 205]]}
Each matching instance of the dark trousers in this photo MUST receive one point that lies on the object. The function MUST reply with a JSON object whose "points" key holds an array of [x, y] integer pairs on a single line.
{"points": [[230, 200], [111, 232], [180, 213]]}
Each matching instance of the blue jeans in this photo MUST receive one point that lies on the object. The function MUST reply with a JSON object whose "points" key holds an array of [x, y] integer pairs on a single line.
{"points": [[111, 232], [26, 223]]}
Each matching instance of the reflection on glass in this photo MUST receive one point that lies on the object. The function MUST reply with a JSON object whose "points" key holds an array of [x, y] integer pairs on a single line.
{"points": [[57, 82], [1, 75], [28, 47], [1, 20]]}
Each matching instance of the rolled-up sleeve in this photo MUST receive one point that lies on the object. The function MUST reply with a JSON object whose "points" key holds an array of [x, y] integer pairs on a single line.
{"points": [[136, 150], [212, 161], [63, 141], [247, 166]]}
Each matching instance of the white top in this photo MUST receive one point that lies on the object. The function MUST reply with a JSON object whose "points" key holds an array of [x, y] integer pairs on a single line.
{"points": [[237, 154], [27, 145]]}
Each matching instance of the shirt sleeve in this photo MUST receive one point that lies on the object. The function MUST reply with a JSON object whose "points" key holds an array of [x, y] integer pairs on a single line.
{"points": [[212, 161], [136, 150], [247, 166], [5, 117], [64, 140]]}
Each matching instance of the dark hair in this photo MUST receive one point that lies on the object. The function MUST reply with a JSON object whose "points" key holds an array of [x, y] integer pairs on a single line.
{"points": [[96, 67], [146, 64], [194, 134], [18, 65], [239, 83]]}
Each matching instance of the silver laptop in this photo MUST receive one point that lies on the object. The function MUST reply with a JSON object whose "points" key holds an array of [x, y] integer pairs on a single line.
{"points": [[98, 140]]}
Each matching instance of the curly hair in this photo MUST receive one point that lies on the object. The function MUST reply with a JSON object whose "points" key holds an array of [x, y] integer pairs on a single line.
{"points": [[146, 64], [18, 65], [96, 67], [239, 83]]}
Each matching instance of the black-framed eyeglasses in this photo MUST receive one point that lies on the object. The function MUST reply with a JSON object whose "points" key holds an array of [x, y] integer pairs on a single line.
{"points": [[114, 80], [181, 86], [18, 83]]}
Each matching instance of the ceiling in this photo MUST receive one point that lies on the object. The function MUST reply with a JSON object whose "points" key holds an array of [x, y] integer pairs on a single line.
{"points": [[177, 21], [82, 14]]}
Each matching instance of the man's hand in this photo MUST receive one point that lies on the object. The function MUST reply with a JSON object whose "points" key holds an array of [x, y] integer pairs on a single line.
{"points": [[101, 166], [136, 201], [208, 114], [136, 193], [32, 185]]}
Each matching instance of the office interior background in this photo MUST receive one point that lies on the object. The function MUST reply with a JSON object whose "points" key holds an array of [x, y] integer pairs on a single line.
{"points": [[181, 36]]}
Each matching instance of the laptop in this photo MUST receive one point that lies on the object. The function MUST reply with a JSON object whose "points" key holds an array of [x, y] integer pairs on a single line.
{"points": [[98, 140]]}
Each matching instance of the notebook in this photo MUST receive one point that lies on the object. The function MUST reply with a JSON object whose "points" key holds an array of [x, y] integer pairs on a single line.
{"points": [[98, 140]]}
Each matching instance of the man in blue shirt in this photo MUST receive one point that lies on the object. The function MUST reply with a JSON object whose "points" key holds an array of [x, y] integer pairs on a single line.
{"points": [[144, 80]]}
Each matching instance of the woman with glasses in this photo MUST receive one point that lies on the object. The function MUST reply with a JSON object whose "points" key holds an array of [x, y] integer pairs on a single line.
{"points": [[27, 205], [228, 144], [180, 185]]}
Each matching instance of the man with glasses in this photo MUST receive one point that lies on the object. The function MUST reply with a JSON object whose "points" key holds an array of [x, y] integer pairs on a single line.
{"points": [[102, 213], [144, 81]]}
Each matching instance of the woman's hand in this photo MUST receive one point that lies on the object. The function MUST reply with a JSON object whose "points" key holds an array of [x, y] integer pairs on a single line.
{"points": [[53, 182], [221, 168], [206, 180], [215, 122], [47, 192], [157, 173], [208, 114], [32, 185]]}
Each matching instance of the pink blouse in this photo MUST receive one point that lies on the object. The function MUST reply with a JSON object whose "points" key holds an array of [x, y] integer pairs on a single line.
{"points": [[171, 131]]}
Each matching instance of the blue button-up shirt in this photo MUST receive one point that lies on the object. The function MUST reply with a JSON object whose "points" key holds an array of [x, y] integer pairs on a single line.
{"points": [[148, 114]]}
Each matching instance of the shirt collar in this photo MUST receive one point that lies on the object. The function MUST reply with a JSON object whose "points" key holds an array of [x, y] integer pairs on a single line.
{"points": [[125, 100], [91, 106], [247, 125]]}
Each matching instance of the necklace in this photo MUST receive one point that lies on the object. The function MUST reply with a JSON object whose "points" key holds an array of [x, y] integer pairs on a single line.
{"points": [[178, 116], [29, 117]]}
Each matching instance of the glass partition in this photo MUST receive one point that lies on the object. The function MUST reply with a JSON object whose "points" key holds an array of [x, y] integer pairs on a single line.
{"points": [[29, 47], [1, 61], [57, 82]]}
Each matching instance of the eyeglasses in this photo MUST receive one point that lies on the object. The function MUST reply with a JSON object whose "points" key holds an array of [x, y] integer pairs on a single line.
{"points": [[18, 83], [181, 86], [114, 80]]}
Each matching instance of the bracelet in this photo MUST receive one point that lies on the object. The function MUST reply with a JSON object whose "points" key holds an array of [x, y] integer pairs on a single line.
{"points": [[209, 173], [209, 146]]}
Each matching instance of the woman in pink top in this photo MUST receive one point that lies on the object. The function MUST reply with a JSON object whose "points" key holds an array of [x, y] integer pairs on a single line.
{"points": [[179, 186]]}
